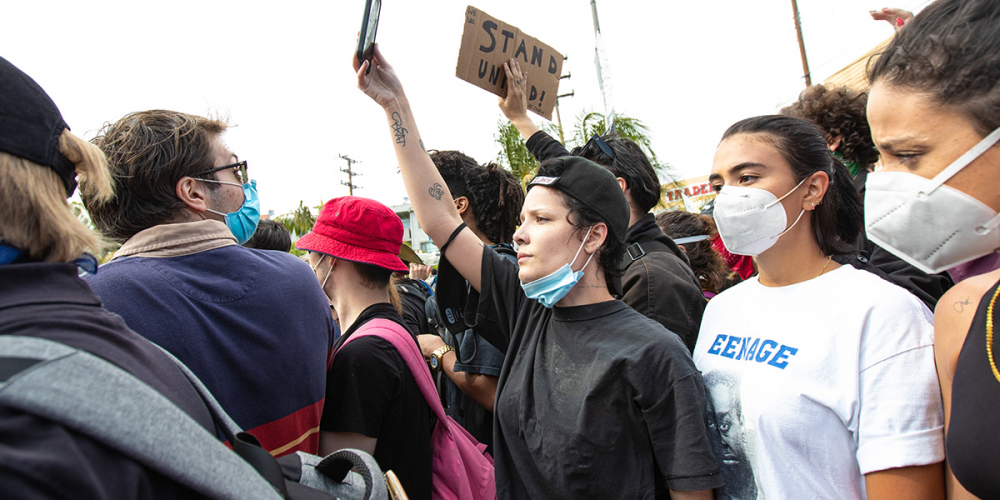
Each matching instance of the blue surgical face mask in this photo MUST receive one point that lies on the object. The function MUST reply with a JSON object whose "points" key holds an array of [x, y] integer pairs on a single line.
{"points": [[243, 222], [548, 290]]}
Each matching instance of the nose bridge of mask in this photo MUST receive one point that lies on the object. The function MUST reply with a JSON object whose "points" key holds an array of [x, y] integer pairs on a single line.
{"points": [[963, 161]]}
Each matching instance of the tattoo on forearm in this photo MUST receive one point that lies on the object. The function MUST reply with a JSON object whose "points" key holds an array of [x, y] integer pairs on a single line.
{"points": [[397, 128], [436, 192], [960, 305], [422, 145]]}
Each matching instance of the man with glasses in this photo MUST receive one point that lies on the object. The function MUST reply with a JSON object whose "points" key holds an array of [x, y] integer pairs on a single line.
{"points": [[253, 325]]}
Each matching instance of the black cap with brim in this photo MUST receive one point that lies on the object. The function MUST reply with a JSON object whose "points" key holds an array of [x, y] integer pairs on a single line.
{"points": [[597, 188], [594, 186], [30, 124]]}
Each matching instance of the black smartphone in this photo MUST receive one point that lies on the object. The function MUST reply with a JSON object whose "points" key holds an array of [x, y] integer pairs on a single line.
{"points": [[366, 38]]}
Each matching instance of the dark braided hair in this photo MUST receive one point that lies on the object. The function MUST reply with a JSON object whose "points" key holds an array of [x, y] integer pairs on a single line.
{"points": [[950, 51], [494, 194], [837, 221]]}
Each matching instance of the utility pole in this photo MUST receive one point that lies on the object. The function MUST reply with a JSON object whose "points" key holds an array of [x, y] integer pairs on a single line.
{"points": [[802, 44], [603, 72], [562, 138], [350, 175]]}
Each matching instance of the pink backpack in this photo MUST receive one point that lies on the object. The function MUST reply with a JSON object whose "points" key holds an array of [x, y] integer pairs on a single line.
{"points": [[460, 467]]}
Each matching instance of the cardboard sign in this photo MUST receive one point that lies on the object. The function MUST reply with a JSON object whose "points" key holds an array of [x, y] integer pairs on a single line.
{"points": [[488, 42]]}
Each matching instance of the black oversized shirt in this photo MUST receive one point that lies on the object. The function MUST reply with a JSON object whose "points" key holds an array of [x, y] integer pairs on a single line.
{"points": [[594, 401], [370, 391]]}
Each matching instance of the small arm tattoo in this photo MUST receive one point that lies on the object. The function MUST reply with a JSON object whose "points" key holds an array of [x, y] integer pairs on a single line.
{"points": [[436, 192], [398, 129], [422, 145], [960, 305]]}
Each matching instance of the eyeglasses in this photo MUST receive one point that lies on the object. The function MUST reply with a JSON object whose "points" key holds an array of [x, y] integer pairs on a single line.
{"points": [[239, 169], [596, 139]]}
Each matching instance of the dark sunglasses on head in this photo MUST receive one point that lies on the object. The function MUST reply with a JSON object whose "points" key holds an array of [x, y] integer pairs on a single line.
{"points": [[596, 139], [239, 169]]}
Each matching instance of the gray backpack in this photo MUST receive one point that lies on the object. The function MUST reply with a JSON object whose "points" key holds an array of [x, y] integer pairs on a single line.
{"points": [[96, 398]]}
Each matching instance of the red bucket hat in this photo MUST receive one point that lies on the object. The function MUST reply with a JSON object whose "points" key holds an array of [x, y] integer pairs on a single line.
{"points": [[358, 230]]}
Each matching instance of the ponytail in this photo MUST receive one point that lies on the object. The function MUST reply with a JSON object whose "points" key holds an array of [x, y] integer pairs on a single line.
{"points": [[837, 219]]}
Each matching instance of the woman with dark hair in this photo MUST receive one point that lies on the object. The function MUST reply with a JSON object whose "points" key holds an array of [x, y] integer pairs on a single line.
{"points": [[594, 400], [693, 234], [844, 389], [934, 110]]}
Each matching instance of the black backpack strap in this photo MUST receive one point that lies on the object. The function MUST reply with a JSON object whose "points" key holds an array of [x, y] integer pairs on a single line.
{"points": [[638, 250]]}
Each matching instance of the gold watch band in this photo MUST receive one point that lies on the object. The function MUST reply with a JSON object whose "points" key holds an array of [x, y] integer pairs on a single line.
{"points": [[439, 353]]}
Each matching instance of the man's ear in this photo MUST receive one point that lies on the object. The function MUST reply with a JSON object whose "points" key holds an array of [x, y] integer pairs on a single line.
{"points": [[623, 184], [193, 193]]}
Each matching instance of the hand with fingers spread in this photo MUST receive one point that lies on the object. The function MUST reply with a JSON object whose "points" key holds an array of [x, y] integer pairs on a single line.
{"points": [[896, 17], [515, 105], [381, 84]]}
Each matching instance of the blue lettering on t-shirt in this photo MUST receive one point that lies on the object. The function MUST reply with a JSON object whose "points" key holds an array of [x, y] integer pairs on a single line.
{"points": [[753, 349], [730, 349], [717, 345], [780, 359], [764, 353]]}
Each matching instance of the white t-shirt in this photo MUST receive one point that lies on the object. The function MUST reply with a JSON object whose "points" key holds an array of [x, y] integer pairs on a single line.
{"points": [[815, 384]]}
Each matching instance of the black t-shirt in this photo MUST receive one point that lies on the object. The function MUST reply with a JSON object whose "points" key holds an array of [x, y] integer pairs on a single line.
{"points": [[40, 458], [370, 391], [594, 401]]}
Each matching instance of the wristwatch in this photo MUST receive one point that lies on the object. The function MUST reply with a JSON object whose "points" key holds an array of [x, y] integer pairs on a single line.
{"points": [[435, 360]]}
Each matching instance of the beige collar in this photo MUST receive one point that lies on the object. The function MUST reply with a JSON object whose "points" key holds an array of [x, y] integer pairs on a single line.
{"points": [[175, 240]]}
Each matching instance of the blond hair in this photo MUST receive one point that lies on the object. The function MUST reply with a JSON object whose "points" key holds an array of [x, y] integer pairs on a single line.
{"points": [[37, 218]]}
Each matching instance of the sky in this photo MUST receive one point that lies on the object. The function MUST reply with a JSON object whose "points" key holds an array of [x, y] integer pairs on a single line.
{"points": [[280, 72]]}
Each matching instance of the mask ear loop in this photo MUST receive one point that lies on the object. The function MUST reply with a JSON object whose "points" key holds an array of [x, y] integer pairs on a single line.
{"points": [[963, 161], [803, 211], [323, 285], [581, 248]]}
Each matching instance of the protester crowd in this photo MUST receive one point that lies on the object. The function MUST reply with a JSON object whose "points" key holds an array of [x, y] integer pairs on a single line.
{"points": [[825, 330]]}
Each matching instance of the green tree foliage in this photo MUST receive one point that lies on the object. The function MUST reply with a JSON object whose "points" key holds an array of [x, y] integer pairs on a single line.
{"points": [[299, 221], [514, 154]]}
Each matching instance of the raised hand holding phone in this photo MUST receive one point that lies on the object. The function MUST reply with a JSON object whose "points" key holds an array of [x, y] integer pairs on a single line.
{"points": [[369, 26]]}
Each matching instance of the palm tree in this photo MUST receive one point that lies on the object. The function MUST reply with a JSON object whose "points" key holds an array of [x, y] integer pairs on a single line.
{"points": [[514, 154], [299, 221], [626, 127]]}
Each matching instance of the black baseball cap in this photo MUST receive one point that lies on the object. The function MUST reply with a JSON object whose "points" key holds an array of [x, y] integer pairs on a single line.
{"points": [[30, 124], [592, 185]]}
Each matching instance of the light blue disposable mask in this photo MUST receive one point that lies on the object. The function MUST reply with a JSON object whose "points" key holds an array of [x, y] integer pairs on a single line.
{"points": [[550, 289], [243, 222]]}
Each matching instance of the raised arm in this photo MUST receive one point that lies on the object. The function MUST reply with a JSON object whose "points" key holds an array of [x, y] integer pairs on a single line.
{"points": [[432, 202], [515, 104]]}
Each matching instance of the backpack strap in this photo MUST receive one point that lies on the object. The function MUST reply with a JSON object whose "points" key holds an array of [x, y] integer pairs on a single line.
{"points": [[393, 333], [638, 250], [96, 398]]}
